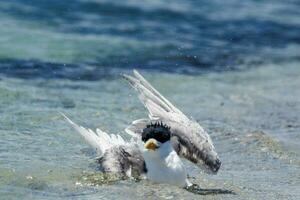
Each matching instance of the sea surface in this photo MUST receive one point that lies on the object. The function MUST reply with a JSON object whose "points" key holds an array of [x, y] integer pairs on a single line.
{"points": [[234, 66]]}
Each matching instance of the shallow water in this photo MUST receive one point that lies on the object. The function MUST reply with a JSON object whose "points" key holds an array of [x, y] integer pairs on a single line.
{"points": [[233, 67], [255, 133]]}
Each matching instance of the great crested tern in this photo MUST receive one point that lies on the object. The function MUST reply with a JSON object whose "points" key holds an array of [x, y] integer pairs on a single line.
{"points": [[157, 142]]}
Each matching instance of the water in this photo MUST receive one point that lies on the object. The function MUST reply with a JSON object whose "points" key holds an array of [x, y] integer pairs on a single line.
{"points": [[235, 68]]}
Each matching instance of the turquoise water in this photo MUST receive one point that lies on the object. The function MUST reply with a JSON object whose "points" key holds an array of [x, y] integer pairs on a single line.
{"points": [[233, 67]]}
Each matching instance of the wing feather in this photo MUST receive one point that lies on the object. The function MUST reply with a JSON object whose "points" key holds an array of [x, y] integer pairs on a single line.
{"points": [[163, 100], [99, 140], [158, 106]]}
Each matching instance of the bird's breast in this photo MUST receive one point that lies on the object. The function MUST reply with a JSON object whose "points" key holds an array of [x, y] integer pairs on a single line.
{"points": [[169, 170]]}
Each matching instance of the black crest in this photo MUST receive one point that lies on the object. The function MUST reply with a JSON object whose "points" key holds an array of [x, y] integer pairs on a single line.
{"points": [[158, 131]]}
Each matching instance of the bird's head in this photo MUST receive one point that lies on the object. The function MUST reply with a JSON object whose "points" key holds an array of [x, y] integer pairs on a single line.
{"points": [[155, 136]]}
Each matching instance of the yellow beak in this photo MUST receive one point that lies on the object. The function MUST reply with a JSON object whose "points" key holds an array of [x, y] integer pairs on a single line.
{"points": [[151, 144]]}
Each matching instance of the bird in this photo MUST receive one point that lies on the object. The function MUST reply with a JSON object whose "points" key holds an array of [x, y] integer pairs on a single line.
{"points": [[157, 143]]}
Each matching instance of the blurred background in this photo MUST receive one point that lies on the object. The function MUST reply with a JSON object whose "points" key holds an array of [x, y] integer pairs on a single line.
{"points": [[233, 65]]}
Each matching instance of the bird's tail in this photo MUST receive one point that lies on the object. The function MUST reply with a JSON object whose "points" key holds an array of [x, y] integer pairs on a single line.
{"points": [[99, 140]]}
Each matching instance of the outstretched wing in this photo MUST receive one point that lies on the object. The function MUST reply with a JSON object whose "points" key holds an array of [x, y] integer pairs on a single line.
{"points": [[189, 138], [99, 140], [158, 106], [116, 155]]}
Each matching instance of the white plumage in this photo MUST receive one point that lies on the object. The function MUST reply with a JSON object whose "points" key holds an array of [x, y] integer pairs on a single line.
{"points": [[165, 166], [99, 140]]}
